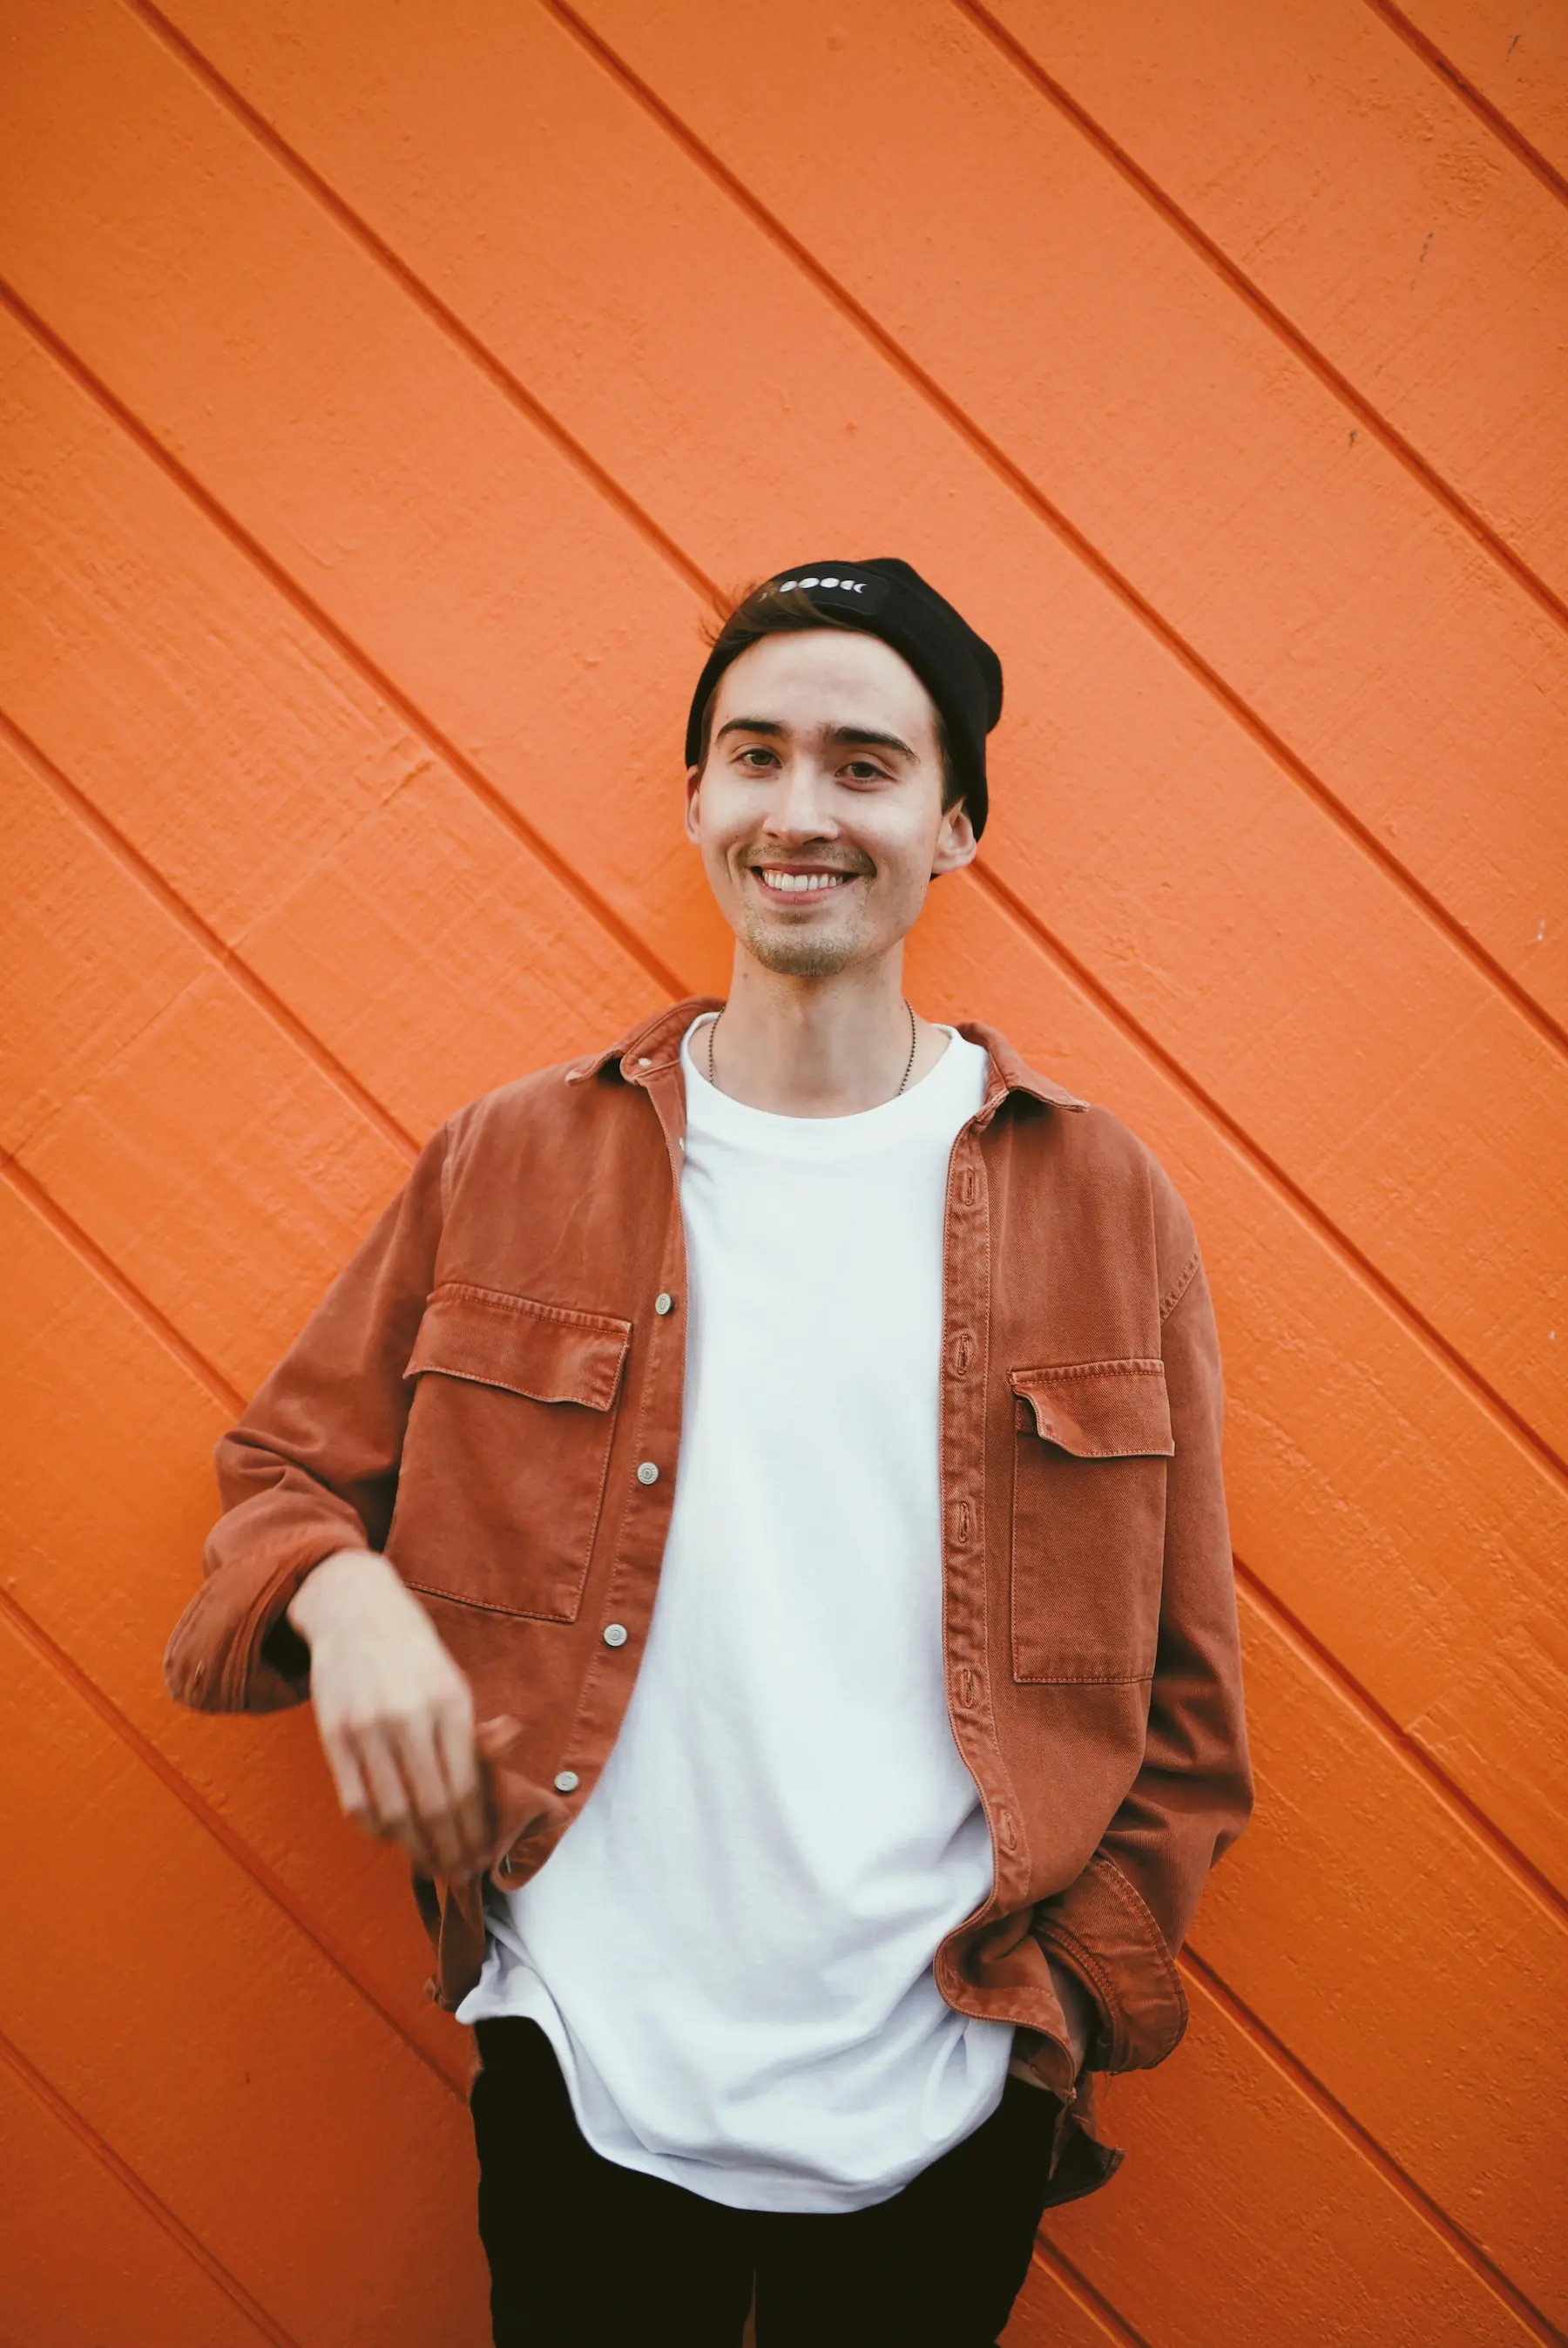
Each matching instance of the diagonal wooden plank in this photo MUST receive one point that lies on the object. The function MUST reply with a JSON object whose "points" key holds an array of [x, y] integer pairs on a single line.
{"points": [[87, 2254], [1371, 221]]}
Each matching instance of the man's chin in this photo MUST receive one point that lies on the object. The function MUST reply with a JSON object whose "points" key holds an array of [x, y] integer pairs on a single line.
{"points": [[798, 954]]}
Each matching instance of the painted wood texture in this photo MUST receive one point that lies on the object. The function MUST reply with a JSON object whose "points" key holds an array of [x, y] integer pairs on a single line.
{"points": [[385, 389]]}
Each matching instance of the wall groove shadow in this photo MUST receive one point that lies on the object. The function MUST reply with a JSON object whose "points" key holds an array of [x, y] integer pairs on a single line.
{"points": [[162, 2216], [1078, 2286], [1435, 484], [1479, 105]]}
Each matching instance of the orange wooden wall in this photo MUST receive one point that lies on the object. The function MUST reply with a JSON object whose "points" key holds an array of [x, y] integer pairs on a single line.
{"points": [[385, 385]]}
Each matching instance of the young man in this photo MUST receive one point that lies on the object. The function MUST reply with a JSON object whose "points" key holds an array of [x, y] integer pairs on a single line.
{"points": [[771, 1471]]}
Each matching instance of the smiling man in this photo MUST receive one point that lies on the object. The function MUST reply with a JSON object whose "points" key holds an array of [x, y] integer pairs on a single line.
{"points": [[770, 1472]]}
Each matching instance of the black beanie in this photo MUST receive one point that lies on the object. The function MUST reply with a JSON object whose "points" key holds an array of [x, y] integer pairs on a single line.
{"points": [[888, 599]]}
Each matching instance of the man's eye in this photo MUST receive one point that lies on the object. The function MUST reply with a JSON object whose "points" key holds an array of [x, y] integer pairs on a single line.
{"points": [[863, 770], [762, 758]]}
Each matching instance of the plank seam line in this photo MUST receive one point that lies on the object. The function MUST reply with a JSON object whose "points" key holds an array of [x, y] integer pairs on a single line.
{"points": [[233, 1844], [1393, 2174], [363, 664], [1246, 290], [1116, 581], [158, 2210], [1503, 1415], [1077, 2286], [1496, 122], [27, 1186], [1503, 1412], [184, 915], [1407, 1748]]}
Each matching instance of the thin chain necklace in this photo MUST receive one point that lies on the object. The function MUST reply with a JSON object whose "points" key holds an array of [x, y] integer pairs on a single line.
{"points": [[914, 1040]]}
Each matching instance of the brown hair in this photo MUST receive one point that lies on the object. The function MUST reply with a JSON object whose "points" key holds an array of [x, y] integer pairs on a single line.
{"points": [[760, 610]]}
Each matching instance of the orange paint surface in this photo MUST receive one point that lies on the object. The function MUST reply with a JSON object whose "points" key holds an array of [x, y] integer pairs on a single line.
{"points": [[381, 393]]}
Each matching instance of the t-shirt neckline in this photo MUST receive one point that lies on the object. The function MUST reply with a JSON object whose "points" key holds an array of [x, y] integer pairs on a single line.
{"points": [[929, 1100]]}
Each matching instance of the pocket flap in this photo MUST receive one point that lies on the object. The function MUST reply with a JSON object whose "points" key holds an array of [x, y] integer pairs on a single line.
{"points": [[1099, 1410], [547, 1352]]}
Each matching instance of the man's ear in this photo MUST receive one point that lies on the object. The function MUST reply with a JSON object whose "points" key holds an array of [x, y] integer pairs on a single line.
{"points": [[955, 843], [693, 778]]}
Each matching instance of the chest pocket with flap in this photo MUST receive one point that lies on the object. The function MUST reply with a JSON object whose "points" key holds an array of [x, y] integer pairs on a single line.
{"points": [[1090, 1446], [512, 1423]]}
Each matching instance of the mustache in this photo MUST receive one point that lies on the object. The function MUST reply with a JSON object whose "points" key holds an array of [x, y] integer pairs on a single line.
{"points": [[809, 863]]}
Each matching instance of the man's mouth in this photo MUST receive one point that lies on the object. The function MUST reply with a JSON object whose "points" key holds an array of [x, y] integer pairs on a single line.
{"points": [[784, 881]]}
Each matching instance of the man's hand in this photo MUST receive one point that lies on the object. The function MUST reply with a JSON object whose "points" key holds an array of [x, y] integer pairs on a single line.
{"points": [[394, 1712]]}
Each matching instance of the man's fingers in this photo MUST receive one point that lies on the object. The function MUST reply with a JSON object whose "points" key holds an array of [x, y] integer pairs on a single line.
{"points": [[460, 1765], [348, 1779], [414, 1742], [390, 1812]]}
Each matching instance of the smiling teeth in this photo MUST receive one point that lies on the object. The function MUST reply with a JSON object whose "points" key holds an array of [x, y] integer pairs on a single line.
{"points": [[803, 882]]}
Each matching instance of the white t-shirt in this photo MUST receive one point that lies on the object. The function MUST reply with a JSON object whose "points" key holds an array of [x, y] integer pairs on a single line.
{"points": [[731, 1948]]}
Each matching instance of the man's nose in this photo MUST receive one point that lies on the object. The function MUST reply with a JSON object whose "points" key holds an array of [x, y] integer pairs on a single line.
{"points": [[801, 808]]}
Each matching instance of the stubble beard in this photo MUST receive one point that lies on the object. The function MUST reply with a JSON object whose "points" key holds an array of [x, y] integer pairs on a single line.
{"points": [[797, 957]]}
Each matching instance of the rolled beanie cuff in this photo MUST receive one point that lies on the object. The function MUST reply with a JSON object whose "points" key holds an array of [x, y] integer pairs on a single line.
{"points": [[887, 598]]}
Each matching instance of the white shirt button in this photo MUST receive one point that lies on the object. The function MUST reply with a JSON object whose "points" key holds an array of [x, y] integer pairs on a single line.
{"points": [[664, 1301], [615, 1635], [566, 1781], [647, 1473]]}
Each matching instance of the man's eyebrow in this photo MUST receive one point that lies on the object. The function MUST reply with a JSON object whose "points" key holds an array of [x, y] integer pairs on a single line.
{"points": [[750, 726], [841, 737], [848, 736]]}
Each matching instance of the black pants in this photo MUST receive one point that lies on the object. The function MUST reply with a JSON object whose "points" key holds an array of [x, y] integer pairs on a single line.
{"points": [[586, 2254]]}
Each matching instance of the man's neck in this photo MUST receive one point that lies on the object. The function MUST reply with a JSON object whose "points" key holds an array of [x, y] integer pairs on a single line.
{"points": [[817, 1047]]}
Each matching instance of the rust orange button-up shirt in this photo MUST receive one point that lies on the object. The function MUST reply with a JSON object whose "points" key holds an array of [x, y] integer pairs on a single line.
{"points": [[491, 1392]]}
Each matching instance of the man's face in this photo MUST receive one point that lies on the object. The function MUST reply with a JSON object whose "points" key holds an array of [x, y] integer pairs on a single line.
{"points": [[819, 808]]}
